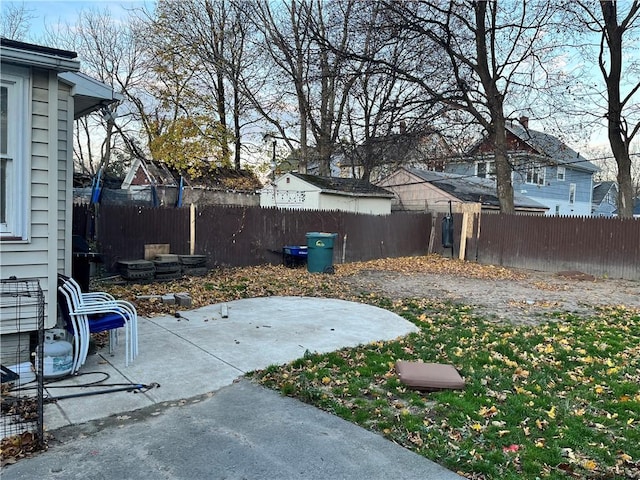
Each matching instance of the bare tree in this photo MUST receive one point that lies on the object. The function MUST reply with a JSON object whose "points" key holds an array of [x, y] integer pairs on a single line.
{"points": [[388, 121], [286, 41], [615, 30], [302, 40], [15, 21], [212, 36], [113, 52], [492, 52]]}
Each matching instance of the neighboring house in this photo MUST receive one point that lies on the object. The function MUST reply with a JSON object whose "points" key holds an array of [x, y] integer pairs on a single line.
{"points": [[636, 208], [424, 190], [604, 199], [311, 192], [156, 184], [42, 93], [545, 169], [424, 149], [146, 179]]}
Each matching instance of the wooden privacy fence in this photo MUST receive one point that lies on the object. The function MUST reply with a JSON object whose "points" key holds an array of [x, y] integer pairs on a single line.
{"points": [[603, 247], [241, 236]]}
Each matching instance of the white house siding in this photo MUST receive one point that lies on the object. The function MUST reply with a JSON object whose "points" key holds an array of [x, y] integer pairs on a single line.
{"points": [[295, 194], [357, 204], [64, 179], [30, 258], [298, 194]]}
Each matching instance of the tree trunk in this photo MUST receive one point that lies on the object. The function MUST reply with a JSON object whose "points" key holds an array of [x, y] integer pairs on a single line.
{"points": [[503, 167], [222, 115], [495, 104], [618, 135], [236, 127]]}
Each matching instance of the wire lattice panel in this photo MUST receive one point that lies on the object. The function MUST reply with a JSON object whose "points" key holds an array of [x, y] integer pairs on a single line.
{"points": [[22, 308]]}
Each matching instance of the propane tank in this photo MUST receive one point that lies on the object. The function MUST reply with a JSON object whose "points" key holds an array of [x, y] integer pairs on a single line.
{"points": [[58, 356]]}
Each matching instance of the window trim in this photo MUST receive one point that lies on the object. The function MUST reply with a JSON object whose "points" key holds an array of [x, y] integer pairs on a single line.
{"points": [[17, 82], [561, 177], [572, 194], [535, 175], [490, 169]]}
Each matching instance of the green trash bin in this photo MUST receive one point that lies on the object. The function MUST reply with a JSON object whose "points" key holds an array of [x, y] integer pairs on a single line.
{"points": [[320, 252]]}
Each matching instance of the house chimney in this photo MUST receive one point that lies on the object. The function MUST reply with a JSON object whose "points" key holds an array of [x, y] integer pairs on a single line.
{"points": [[524, 121], [403, 127]]}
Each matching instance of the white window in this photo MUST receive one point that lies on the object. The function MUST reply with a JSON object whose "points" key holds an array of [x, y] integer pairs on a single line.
{"points": [[572, 193], [485, 169], [535, 175], [561, 174], [13, 132]]}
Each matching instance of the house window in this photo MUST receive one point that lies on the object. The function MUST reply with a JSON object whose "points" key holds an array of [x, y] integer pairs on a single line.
{"points": [[557, 210], [561, 174], [535, 175], [13, 191], [485, 169], [572, 193]]}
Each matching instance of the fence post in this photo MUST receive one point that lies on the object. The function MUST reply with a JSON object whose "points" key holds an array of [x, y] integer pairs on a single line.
{"points": [[192, 229], [463, 235], [466, 231]]}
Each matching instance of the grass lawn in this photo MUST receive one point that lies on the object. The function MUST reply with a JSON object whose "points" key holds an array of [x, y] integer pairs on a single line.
{"points": [[559, 399]]}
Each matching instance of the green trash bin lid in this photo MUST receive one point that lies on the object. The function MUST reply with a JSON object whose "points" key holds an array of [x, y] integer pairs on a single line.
{"points": [[320, 239], [321, 234]]}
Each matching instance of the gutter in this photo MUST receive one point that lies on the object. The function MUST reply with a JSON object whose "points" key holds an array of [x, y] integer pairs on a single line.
{"points": [[38, 59], [357, 194]]}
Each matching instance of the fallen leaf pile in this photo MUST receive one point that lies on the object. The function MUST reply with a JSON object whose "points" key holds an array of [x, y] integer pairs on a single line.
{"points": [[22, 409], [18, 446], [227, 284], [434, 264], [551, 287]]}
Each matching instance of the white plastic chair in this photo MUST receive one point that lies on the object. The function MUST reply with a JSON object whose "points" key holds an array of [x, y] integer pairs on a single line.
{"points": [[91, 299], [96, 312]]}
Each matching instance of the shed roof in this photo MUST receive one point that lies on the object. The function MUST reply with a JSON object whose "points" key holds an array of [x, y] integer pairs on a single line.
{"points": [[343, 185], [472, 189]]}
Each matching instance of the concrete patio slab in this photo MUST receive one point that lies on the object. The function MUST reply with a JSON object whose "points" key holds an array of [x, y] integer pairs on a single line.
{"points": [[201, 422], [201, 352]]}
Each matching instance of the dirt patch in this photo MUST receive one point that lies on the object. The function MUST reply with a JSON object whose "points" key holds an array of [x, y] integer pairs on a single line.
{"points": [[528, 297]]}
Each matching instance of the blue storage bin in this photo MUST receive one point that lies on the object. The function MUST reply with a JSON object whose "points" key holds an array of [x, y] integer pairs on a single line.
{"points": [[295, 250]]}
